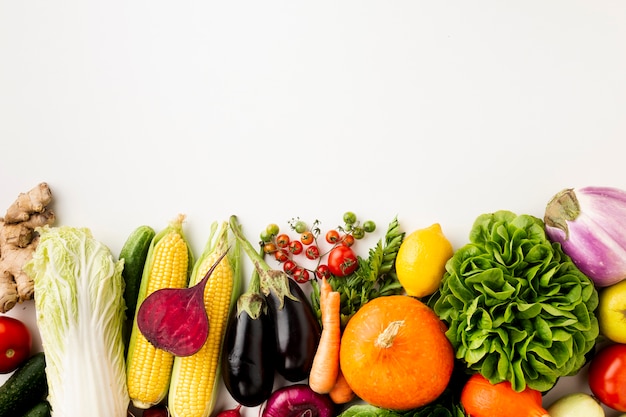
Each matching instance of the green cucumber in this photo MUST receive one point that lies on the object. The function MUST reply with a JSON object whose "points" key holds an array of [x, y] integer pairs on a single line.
{"points": [[41, 409], [26, 387], [134, 252]]}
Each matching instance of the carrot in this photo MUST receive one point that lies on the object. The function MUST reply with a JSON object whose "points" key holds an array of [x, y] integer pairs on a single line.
{"points": [[325, 367], [341, 393], [481, 398]]}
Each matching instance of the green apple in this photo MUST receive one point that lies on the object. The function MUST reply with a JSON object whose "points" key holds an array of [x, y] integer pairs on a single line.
{"points": [[612, 312], [577, 404]]}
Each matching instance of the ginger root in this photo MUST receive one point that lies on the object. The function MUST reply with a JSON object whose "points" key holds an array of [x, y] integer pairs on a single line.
{"points": [[18, 240]]}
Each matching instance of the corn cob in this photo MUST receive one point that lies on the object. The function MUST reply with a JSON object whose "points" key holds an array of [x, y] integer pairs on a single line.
{"points": [[167, 266], [194, 384]]}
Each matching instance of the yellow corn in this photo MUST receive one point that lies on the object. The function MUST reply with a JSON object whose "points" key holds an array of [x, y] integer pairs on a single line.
{"points": [[149, 369], [195, 378]]}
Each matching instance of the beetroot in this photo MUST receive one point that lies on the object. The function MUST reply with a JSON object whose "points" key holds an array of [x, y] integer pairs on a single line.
{"points": [[175, 319]]}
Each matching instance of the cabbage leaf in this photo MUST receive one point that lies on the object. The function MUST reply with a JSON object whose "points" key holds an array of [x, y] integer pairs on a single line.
{"points": [[80, 311], [516, 306]]}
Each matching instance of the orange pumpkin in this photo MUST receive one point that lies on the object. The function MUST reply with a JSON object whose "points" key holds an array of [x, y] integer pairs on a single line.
{"points": [[395, 354]]}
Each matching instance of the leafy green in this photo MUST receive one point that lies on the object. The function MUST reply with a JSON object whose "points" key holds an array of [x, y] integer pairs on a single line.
{"points": [[517, 308], [374, 277], [447, 405], [80, 314]]}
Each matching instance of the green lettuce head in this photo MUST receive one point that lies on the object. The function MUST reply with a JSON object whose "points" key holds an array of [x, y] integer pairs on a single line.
{"points": [[517, 308]]}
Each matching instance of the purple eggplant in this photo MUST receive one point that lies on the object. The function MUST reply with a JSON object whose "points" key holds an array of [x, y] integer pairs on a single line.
{"points": [[248, 367], [296, 328], [590, 225], [297, 333]]}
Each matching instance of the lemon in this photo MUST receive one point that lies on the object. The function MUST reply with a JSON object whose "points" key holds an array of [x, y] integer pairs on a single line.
{"points": [[421, 260]]}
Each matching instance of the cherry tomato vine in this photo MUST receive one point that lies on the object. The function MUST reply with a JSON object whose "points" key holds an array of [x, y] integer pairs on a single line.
{"points": [[290, 248]]}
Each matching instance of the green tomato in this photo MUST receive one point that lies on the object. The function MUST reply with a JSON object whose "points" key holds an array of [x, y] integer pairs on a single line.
{"points": [[349, 218], [369, 226], [300, 226], [272, 229], [358, 232], [265, 236]]}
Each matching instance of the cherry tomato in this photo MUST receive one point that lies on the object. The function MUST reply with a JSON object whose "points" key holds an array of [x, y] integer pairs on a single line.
{"points": [[306, 238], [269, 247], [358, 232], [289, 266], [282, 240], [281, 255], [272, 229], [342, 261], [295, 247], [300, 227], [312, 252], [322, 271], [607, 376], [301, 275], [347, 240], [15, 344], [349, 217], [332, 236], [264, 236], [369, 226]]}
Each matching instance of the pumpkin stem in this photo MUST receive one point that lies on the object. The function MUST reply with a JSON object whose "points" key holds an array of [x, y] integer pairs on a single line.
{"points": [[385, 339]]}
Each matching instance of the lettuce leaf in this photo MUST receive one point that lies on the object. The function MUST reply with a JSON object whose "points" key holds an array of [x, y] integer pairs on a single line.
{"points": [[80, 311], [517, 308]]}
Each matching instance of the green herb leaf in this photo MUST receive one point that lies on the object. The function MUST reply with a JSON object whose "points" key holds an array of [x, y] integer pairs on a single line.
{"points": [[374, 277]]}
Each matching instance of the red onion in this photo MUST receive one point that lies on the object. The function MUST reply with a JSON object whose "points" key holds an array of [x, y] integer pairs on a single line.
{"points": [[590, 225], [298, 400]]}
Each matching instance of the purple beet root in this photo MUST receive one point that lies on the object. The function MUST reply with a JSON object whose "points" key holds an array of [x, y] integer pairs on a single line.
{"points": [[175, 319]]}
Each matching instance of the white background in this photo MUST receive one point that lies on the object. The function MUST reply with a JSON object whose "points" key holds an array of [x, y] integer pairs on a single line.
{"points": [[136, 111]]}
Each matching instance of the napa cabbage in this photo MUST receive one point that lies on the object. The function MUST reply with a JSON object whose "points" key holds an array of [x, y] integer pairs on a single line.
{"points": [[79, 312]]}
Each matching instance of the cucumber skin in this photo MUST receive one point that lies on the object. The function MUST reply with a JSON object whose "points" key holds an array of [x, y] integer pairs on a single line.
{"points": [[26, 387], [41, 409], [134, 252]]}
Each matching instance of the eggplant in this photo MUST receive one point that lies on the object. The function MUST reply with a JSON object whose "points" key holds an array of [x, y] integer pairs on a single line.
{"points": [[248, 366], [590, 225], [296, 330]]}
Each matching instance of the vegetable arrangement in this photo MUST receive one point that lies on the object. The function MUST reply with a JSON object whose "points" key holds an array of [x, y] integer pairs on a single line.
{"points": [[518, 307]]}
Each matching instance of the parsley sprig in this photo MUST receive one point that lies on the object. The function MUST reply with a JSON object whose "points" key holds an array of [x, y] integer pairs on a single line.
{"points": [[375, 277]]}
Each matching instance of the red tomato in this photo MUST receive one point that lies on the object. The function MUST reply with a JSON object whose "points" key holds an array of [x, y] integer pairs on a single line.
{"points": [[282, 240], [332, 236], [15, 344], [322, 271], [289, 267], [312, 252], [347, 240], [281, 255], [295, 247], [301, 275], [342, 261], [607, 376]]}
